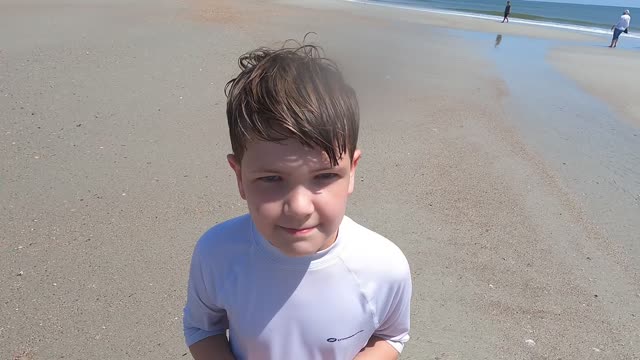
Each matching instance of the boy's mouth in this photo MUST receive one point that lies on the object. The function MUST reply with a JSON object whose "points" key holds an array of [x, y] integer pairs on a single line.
{"points": [[298, 231]]}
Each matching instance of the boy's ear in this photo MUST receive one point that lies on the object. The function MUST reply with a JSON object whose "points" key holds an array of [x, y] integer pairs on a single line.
{"points": [[235, 165], [352, 171]]}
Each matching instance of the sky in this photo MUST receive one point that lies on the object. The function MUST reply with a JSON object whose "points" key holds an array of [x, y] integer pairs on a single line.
{"points": [[627, 3]]}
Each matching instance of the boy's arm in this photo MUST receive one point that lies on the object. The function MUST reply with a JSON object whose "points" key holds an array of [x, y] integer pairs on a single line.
{"points": [[212, 348], [394, 307], [377, 349], [205, 323]]}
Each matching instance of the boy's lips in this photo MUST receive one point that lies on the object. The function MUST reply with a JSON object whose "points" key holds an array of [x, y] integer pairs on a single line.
{"points": [[298, 231]]}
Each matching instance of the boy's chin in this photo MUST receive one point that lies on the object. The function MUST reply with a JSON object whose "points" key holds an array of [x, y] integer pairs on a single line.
{"points": [[301, 248]]}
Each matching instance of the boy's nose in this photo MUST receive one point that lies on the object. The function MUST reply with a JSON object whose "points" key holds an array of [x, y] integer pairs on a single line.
{"points": [[299, 203]]}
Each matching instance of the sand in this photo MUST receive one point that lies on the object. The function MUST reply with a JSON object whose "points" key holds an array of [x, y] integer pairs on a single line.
{"points": [[610, 74], [113, 164]]}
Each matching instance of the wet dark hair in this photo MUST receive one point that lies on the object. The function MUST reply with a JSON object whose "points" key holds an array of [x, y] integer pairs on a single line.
{"points": [[292, 93]]}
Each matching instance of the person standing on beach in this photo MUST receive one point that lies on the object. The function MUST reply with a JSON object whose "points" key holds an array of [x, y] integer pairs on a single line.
{"points": [[507, 12], [620, 27]]}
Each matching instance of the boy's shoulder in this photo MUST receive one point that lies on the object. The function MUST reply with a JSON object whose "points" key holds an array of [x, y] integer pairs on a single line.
{"points": [[371, 253], [225, 239]]}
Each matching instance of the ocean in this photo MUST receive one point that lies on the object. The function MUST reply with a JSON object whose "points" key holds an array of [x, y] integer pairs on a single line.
{"points": [[587, 18]]}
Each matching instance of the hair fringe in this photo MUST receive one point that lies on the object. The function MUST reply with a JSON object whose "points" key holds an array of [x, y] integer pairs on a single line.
{"points": [[292, 92]]}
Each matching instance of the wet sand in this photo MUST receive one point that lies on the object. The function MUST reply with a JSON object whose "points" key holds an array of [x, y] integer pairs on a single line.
{"points": [[113, 164], [610, 74]]}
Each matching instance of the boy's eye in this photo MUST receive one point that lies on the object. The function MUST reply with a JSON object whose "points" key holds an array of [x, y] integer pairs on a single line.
{"points": [[326, 176], [270, 179]]}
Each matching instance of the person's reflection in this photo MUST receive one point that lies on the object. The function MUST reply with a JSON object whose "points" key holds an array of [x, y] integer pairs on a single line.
{"points": [[498, 40]]}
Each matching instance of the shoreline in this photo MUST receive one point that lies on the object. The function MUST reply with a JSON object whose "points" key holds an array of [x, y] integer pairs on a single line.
{"points": [[443, 20], [604, 31]]}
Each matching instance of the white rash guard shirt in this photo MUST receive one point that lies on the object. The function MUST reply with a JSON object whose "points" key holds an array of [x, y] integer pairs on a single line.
{"points": [[323, 306]]}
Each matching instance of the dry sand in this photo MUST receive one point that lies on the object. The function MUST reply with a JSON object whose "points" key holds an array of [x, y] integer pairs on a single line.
{"points": [[113, 164]]}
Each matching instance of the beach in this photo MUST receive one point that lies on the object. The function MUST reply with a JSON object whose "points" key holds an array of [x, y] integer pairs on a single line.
{"points": [[507, 174], [616, 86]]}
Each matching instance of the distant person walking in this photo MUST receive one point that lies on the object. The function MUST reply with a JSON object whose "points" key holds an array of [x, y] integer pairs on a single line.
{"points": [[621, 27], [507, 12]]}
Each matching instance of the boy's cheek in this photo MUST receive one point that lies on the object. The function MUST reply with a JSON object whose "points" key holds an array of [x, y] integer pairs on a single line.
{"points": [[260, 194], [261, 203], [237, 171], [352, 172], [243, 194], [264, 215], [241, 190], [352, 183]]}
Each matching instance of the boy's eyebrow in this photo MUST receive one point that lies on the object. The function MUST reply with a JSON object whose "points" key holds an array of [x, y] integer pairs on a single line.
{"points": [[325, 169], [266, 170], [276, 171]]}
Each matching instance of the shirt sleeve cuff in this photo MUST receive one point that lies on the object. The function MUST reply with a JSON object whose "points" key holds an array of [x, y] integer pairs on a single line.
{"points": [[192, 336], [396, 345]]}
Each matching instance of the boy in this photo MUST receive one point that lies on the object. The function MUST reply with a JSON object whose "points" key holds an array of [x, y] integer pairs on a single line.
{"points": [[295, 278]]}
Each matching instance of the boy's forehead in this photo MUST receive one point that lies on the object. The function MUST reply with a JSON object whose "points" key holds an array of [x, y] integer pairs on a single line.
{"points": [[289, 153]]}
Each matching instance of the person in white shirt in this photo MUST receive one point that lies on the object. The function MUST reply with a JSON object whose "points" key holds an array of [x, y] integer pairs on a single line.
{"points": [[621, 26], [295, 278]]}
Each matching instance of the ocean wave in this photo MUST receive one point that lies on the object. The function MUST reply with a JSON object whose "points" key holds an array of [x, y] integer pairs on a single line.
{"points": [[550, 24]]}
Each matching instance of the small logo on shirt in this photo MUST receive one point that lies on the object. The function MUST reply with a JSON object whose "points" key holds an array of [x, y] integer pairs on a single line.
{"points": [[332, 340]]}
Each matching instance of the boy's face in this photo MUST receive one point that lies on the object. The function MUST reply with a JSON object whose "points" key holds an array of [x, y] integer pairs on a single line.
{"points": [[296, 198]]}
